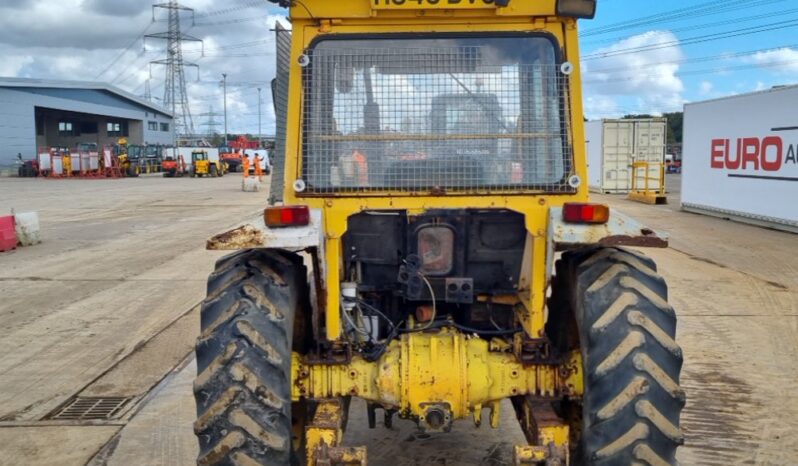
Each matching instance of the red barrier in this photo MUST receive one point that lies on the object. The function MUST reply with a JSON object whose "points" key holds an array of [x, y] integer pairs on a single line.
{"points": [[8, 233]]}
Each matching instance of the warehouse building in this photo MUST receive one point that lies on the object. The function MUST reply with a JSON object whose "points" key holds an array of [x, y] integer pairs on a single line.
{"points": [[38, 113]]}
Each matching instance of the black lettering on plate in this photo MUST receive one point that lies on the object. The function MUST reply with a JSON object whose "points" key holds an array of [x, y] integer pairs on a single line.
{"points": [[431, 2], [791, 154]]}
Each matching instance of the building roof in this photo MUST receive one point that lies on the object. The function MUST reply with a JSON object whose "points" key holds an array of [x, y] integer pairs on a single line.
{"points": [[770, 90], [28, 83]]}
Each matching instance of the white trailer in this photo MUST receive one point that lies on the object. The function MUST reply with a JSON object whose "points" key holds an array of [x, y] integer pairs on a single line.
{"points": [[213, 153], [612, 147], [740, 158], [263, 154]]}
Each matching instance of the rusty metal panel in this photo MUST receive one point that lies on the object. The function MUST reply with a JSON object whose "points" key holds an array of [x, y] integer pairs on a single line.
{"points": [[255, 234], [620, 230]]}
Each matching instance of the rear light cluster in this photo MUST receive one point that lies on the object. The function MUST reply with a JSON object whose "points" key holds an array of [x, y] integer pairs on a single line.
{"points": [[585, 213], [287, 216]]}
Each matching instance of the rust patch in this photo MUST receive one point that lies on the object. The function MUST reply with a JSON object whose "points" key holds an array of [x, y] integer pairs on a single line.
{"points": [[645, 241], [244, 237], [329, 416]]}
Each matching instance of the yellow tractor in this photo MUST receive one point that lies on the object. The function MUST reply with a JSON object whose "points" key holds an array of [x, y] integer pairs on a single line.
{"points": [[128, 157], [430, 247], [201, 165]]}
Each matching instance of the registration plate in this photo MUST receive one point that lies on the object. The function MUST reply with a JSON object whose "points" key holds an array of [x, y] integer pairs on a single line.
{"points": [[431, 4]]}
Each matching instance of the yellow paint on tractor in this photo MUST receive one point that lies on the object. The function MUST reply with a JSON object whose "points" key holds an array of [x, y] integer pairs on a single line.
{"points": [[426, 370], [358, 17], [364, 326], [423, 369]]}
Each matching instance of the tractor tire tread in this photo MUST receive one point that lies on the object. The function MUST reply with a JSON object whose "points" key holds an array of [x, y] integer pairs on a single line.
{"points": [[242, 389], [632, 362]]}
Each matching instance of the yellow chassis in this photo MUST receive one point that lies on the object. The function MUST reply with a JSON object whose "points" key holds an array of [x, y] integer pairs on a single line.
{"points": [[446, 374], [420, 370]]}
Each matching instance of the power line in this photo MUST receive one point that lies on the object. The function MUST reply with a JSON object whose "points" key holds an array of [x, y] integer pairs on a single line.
{"points": [[231, 21], [133, 65], [126, 50], [695, 72], [746, 19], [246, 5], [685, 61], [705, 9], [175, 90], [212, 124], [695, 40], [239, 45]]}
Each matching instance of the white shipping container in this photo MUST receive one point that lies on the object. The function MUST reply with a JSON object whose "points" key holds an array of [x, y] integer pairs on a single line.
{"points": [[741, 158], [612, 147]]}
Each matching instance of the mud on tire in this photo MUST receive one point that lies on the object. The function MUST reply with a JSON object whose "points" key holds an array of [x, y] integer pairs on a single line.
{"points": [[627, 329], [242, 387]]}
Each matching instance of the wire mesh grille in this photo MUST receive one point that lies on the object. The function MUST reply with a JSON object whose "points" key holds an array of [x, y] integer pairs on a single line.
{"points": [[442, 115], [280, 96]]}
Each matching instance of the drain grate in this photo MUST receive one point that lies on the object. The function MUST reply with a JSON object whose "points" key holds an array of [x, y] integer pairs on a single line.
{"points": [[90, 408]]}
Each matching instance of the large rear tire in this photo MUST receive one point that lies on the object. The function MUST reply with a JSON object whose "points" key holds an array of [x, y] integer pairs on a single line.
{"points": [[243, 390], [626, 331]]}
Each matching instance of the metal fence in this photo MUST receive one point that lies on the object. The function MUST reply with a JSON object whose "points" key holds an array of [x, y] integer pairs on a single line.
{"points": [[280, 96], [453, 119]]}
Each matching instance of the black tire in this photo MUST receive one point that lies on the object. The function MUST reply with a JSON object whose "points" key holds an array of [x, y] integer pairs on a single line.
{"points": [[192, 173], [214, 172], [243, 390], [633, 401]]}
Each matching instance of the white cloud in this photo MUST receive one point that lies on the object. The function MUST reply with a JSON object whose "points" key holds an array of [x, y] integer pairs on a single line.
{"points": [[705, 88], [781, 61], [648, 77], [11, 65], [600, 105], [78, 39]]}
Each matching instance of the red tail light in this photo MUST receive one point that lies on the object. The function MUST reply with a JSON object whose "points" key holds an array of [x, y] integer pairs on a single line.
{"points": [[286, 216], [585, 213]]}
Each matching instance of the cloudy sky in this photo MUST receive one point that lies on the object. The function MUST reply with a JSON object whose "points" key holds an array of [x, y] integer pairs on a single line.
{"points": [[638, 56]]}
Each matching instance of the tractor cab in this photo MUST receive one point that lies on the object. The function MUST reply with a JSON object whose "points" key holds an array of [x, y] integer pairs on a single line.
{"points": [[201, 165], [199, 156], [135, 152]]}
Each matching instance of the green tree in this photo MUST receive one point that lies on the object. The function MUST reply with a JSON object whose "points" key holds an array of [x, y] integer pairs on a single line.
{"points": [[675, 127], [675, 124], [217, 140]]}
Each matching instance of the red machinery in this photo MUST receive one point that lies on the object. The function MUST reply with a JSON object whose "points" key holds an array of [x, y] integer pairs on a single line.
{"points": [[244, 143], [174, 168], [232, 153]]}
